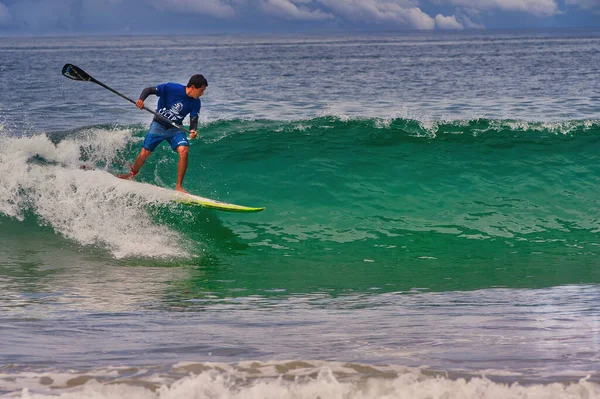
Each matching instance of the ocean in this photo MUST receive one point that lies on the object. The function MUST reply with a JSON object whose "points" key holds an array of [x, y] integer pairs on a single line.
{"points": [[432, 222]]}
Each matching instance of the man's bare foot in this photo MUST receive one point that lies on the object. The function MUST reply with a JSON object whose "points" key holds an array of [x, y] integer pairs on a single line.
{"points": [[126, 176], [180, 189]]}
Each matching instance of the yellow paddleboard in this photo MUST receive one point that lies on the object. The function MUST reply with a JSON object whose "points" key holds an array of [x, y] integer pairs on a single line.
{"points": [[194, 200]]}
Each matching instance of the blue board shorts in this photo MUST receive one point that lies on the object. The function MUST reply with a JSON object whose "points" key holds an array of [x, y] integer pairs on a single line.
{"points": [[158, 133]]}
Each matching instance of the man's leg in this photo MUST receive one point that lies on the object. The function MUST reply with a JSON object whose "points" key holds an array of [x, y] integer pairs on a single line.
{"points": [[181, 167], [139, 162]]}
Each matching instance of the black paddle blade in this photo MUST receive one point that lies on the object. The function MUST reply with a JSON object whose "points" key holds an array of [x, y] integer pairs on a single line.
{"points": [[74, 72]]}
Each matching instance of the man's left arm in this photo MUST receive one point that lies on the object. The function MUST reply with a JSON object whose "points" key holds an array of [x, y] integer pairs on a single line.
{"points": [[194, 119], [193, 126]]}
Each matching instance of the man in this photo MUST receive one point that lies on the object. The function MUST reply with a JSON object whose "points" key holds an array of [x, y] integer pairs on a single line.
{"points": [[175, 103]]}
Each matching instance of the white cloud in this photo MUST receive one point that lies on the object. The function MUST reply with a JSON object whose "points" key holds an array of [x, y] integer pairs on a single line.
{"points": [[539, 8], [402, 13], [469, 24], [289, 10], [214, 8], [80, 15], [449, 22], [4, 14]]}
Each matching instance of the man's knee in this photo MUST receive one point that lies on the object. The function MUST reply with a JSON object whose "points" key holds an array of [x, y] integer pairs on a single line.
{"points": [[182, 150]]}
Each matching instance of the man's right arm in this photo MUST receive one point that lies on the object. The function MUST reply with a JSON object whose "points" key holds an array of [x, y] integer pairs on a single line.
{"points": [[145, 93]]}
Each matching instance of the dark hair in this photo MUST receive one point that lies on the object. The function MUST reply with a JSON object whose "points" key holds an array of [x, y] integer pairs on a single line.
{"points": [[198, 81]]}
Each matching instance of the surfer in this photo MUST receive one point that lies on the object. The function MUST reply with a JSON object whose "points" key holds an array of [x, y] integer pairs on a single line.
{"points": [[175, 102]]}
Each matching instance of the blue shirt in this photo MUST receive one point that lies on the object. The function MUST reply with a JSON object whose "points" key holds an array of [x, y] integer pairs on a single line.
{"points": [[174, 104]]}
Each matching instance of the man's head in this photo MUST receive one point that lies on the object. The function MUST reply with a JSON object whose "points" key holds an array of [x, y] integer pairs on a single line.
{"points": [[196, 86]]}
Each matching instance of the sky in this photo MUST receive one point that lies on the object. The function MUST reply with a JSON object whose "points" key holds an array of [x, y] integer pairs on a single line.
{"points": [[47, 17]]}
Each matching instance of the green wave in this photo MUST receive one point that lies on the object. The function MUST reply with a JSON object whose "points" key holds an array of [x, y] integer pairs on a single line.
{"points": [[386, 205], [479, 178]]}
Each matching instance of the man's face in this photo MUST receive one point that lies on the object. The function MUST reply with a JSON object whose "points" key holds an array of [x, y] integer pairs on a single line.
{"points": [[196, 92]]}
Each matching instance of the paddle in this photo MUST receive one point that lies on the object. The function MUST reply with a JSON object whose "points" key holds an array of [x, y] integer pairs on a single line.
{"points": [[74, 72]]}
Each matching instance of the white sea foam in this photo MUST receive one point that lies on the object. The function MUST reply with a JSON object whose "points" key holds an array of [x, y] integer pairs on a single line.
{"points": [[280, 380], [90, 207]]}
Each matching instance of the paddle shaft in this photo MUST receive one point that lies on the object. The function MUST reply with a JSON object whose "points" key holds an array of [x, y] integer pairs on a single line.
{"points": [[146, 108]]}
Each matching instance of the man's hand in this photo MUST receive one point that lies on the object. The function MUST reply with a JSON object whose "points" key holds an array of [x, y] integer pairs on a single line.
{"points": [[140, 103], [193, 134]]}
